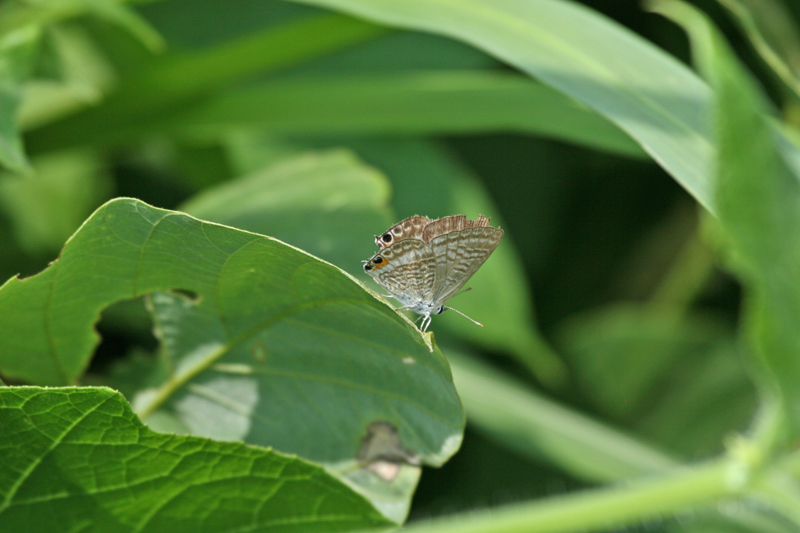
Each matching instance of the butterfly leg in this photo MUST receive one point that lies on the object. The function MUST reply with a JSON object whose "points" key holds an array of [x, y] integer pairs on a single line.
{"points": [[426, 321]]}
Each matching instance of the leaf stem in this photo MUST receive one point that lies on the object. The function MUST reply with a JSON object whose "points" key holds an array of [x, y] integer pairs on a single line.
{"points": [[601, 509], [535, 425]]}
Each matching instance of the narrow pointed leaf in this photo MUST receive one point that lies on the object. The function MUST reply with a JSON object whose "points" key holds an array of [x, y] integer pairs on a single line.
{"points": [[322, 202], [647, 93], [420, 102]]}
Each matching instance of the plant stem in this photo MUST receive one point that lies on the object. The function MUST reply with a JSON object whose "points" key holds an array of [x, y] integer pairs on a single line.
{"points": [[780, 491], [535, 425], [600, 509]]}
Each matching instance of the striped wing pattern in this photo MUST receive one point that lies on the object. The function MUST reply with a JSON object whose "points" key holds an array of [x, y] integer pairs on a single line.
{"points": [[429, 261], [459, 255], [425, 229], [406, 269], [450, 224], [410, 228]]}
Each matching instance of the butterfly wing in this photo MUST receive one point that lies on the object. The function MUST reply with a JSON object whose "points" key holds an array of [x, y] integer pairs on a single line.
{"points": [[450, 224], [458, 255], [410, 228], [425, 229], [407, 269]]}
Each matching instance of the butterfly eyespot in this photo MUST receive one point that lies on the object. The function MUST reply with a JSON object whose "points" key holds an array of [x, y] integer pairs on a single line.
{"points": [[387, 238], [378, 260], [367, 268]]}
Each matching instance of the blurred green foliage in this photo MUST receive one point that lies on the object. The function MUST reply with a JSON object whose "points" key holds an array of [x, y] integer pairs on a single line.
{"points": [[651, 210]]}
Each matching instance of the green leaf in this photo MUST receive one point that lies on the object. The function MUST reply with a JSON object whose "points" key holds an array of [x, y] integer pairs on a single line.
{"points": [[45, 208], [12, 154], [78, 75], [418, 102], [260, 336], [178, 81], [128, 19], [78, 459], [646, 92], [17, 15], [323, 203], [676, 378], [771, 30], [758, 199], [18, 51]]}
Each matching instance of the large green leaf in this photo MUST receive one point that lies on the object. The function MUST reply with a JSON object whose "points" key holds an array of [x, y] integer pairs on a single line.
{"points": [[267, 344], [758, 199], [323, 203], [78, 459], [646, 92]]}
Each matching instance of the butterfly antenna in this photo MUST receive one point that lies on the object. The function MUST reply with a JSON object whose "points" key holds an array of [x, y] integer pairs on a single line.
{"points": [[465, 316]]}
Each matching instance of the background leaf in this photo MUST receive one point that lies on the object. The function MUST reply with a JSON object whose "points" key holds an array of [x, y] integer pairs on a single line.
{"points": [[758, 195], [768, 25], [317, 202], [17, 53], [677, 379], [427, 102], [587, 57], [46, 207]]}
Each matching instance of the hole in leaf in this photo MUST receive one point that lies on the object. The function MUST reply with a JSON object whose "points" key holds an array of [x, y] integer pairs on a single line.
{"points": [[382, 451], [192, 296], [123, 327]]}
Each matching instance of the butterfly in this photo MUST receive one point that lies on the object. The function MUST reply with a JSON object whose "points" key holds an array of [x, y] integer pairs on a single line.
{"points": [[423, 262]]}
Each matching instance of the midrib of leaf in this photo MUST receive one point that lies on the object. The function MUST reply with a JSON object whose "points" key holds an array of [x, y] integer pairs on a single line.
{"points": [[36, 462], [143, 248], [51, 342]]}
